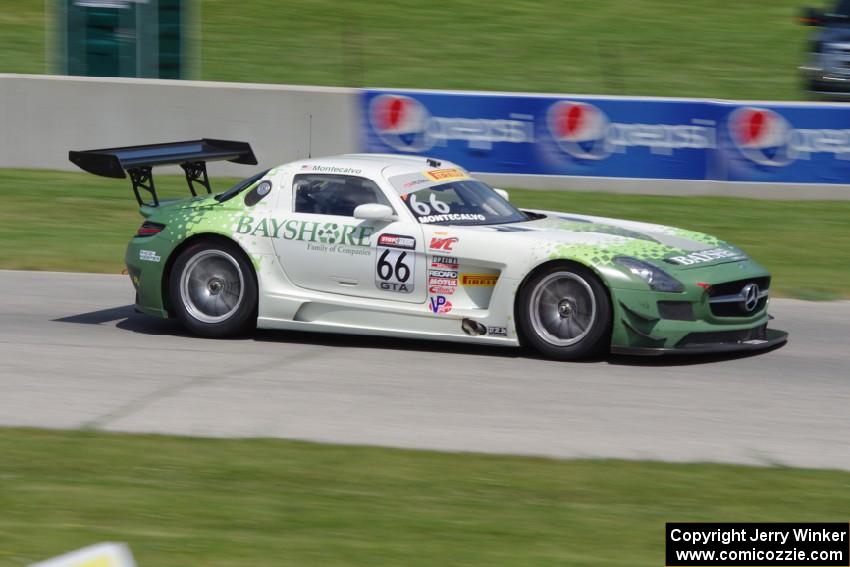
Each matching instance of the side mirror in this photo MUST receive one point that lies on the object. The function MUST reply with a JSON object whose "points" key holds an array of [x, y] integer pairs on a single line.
{"points": [[811, 17], [503, 194], [374, 212]]}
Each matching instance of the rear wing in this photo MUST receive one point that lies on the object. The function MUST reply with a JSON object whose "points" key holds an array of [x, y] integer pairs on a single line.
{"points": [[138, 161]]}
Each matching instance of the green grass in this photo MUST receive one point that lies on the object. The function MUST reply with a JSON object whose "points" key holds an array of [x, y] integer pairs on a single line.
{"points": [[79, 222], [701, 48], [187, 502]]}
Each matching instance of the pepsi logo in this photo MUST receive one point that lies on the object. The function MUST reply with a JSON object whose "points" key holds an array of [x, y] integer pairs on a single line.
{"points": [[405, 124], [761, 135], [579, 129], [400, 121]]}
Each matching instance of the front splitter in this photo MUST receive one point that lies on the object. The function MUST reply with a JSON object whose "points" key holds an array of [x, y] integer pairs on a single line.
{"points": [[773, 338]]}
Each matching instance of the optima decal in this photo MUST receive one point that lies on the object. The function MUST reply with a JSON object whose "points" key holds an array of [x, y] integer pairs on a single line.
{"points": [[306, 231], [704, 256], [444, 262]]}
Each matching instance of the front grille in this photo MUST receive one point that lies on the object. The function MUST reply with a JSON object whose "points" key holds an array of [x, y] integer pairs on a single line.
{"points": [[676, 310], [731, 288], [737, 309], [718, 337]]}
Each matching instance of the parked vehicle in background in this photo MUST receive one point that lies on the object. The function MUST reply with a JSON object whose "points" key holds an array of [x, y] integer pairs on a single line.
{"points": [[827, 69]]}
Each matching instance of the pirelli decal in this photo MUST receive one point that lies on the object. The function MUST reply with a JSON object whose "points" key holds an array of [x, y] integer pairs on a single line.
{"points": [[480, 280], [445, 174]]}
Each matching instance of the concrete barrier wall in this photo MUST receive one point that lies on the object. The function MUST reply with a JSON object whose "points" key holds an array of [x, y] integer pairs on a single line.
{"points": [[42, 117]]}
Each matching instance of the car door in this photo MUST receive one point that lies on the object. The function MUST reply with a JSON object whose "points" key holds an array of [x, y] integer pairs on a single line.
{"points": [[322, 247]]}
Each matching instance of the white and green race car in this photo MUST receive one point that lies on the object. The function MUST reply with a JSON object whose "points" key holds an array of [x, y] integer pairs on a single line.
{"points": [[414, 247]]}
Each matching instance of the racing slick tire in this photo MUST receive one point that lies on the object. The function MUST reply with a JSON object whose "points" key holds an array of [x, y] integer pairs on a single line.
{"points": [[564, 312], [213, 289]]}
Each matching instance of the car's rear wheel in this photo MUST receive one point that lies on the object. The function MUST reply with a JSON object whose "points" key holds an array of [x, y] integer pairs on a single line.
{"points": [[212, 289], [564, 312]]}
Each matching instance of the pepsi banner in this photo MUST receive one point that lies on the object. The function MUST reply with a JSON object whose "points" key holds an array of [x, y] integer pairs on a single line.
{"points": [[647, 138], [784, 143]]}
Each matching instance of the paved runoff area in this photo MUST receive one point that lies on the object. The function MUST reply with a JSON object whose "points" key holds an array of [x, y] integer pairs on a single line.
{"points": [[73, 354]]}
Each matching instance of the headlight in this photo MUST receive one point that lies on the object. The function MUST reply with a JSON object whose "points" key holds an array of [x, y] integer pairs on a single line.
{"points": [[658, 279]]}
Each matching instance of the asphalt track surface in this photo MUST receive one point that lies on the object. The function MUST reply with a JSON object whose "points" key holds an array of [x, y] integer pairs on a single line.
{"points": [[73, 354]]}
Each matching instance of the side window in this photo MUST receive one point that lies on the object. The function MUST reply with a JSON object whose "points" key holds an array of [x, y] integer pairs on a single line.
{"points": [[334, 194]]}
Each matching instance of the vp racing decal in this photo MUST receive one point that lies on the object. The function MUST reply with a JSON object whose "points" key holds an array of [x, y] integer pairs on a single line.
{"points": [[439, 304]]}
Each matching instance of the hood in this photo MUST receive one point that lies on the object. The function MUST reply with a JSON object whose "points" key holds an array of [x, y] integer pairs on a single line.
{"points": [[569, 235]]}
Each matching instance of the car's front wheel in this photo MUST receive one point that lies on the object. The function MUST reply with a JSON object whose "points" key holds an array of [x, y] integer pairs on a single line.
{"points": [[564, 312], [212, 289]]}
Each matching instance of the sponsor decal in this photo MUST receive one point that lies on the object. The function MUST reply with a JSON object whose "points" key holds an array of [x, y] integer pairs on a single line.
{"points": [[442, 274], [448, 217], [584, 132], [441, 289], [317, 235], [442, 281], [444, 174], [483, 280], [397, 241], [443, 243], [444, 262], [497, 331], [331, 169], [149, 256], [394, 265], [439, 304], [404, 124], [414, 183], [704, 256]]}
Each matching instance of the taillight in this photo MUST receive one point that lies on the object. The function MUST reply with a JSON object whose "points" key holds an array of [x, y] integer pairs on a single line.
{"points": [[149, 228]]}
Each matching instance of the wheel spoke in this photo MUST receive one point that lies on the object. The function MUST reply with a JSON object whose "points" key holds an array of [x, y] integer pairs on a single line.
{"points": [[563, 308], [581, 328], [211, 286]]}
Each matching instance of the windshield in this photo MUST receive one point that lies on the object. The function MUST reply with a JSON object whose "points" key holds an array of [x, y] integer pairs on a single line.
{"points": [[466, 202]]}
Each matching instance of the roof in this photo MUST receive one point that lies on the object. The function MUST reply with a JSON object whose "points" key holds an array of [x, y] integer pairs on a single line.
{"points": [[368, 165]]}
